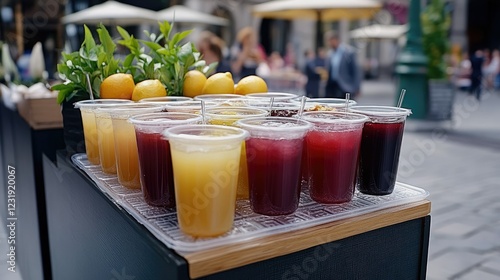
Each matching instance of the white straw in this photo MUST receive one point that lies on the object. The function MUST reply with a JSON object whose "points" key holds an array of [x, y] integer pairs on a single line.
{"points": [[401, 97], [203, 118], [347, 97], [302, 106], [271, 106], [89, 86]]}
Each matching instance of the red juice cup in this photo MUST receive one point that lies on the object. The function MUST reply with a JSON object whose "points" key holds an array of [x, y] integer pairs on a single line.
{"points": [[274, 154], [332, 147], [155, 162], [380, 148]]}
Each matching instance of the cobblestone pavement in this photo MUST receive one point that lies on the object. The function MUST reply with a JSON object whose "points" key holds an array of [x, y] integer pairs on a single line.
{"points": [[459, 164]]}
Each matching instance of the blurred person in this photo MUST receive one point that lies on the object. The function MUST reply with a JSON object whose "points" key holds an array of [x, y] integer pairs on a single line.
{"points": [[491, 70], [463, 74], [476, 62], [315, 71], [290, 59], [344, 74], [276, 62], [211, 48], [247, 55]]}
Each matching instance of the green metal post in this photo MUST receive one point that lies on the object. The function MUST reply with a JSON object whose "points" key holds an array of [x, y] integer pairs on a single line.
{"points": [[411, 67]]}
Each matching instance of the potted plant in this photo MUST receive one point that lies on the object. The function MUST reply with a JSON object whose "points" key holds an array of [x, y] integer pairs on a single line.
{"points": [[435, 26], [161, 57]]}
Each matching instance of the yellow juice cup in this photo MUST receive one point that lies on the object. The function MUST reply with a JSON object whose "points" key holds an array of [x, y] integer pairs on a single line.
{"points": [[166, 99], [193, 107], [87, 109], [105, 141], [228, 116], [127, 161], [205, 161]]}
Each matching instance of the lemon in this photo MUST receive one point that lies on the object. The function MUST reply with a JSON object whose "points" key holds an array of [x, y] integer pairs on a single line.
{"points": [[148, 88], [118, 86], [219, 83], [251, 84], [194, 81]]}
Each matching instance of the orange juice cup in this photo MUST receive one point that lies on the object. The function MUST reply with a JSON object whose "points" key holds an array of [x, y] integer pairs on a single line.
{"points": [[127, 161], [87, 109], [166, 99], [228, 116], [205, 160]]}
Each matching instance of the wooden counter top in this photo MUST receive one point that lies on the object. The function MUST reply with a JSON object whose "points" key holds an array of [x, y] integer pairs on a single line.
{"points": [[219, 259]]}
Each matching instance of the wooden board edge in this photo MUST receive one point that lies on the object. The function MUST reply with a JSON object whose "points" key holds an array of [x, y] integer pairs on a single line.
{"points": [[228, 257]]}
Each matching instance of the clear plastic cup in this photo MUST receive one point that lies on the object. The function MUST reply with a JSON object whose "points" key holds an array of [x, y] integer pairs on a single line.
{"points": [[278, 96], [212, 97], [228, 116], [380, 148], [127, 161], [331, 155], [205, 160], [274, 155], [87, 109], [188, 106], [327, 104], [166, 99], [155, 162]]}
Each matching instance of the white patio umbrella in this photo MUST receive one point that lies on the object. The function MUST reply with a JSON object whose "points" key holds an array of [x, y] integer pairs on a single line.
{"points": [[183, 14], [319, 10], [112, 13], [378, 31]]}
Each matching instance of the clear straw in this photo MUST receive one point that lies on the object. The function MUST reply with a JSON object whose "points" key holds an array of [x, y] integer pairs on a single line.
{"points": [[203, 112], [89, 86], [271, 105], [347, 97], [401, 97], [302, 106]]}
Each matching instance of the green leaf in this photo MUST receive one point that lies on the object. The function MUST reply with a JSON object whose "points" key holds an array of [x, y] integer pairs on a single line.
{"points": [[60, 97], [106, 41], [128, 60], [210, 69], [125, 35], [165, 29], [89, 42], [185, 51], [152, 45], [178, 37]]}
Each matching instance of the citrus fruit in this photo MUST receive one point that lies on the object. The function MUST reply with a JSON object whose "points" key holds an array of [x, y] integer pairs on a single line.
{"points": [[194, 81], [148, 88], [117, 86], [251, 84], [219, 83]]}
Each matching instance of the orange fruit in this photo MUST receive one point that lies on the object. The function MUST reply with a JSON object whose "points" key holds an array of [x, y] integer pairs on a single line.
{"points": [[251, 84], [194, 81], [219, 83], [148, 88], [117, 86]]}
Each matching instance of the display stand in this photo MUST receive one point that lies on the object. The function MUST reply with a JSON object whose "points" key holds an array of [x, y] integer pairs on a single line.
{"points": [[92, 236]]}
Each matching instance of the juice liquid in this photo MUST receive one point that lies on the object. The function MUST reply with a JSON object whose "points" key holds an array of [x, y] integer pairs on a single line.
{"points": [[127, 160], [157, 178], [332, 158], [274, 175], [379, 159], [205, 189], [90, 133], [106, 143]]}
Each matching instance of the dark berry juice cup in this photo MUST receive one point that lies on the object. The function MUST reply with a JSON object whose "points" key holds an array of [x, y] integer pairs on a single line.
{"points": [[332, 147], [155, 162], [274, 154], [380, 148]]}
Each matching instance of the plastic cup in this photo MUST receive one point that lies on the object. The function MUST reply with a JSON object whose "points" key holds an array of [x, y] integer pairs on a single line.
{"points": [[332, 150], [166, 99], [155, 162], [228, 116], [212, 97], [327, 104], [187, 106], [127, 161], [205, 160], [380, 148], [87, 109], [278, 96], [279, 109], [274, 155]]}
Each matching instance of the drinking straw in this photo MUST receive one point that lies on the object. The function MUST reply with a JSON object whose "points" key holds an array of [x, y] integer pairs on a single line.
{"points": [[89, 86], [347, 97], [271, 105], [302, 106], [203, 112], [401, 97]]}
